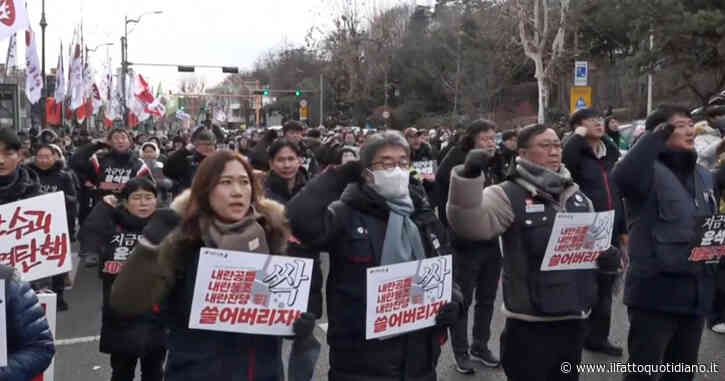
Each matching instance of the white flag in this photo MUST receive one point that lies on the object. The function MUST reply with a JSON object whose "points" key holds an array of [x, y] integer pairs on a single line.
{"points": [[60, 78], [106, 87], [113, 111], [13, 18], [11, 61], [135, 104], [76, 78], [33, 75]]}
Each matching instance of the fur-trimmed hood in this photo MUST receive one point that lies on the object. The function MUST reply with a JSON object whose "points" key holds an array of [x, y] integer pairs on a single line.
{"points": [[274, 220]]}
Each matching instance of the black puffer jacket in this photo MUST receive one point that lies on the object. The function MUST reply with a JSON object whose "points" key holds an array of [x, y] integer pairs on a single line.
{"points": [[57, 178], [29, 341], [352, 230], [25, 185], [112, 233]]}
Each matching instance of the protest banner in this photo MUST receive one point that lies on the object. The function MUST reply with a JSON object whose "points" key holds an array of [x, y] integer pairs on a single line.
{"points": [[249, 293], [406, 297], [3, 327], [48, 302], [34, 236], [426, 169], [577, 240], [710, 242]]}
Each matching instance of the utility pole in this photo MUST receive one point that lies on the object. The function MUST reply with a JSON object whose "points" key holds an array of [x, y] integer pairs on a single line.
{"points": [[124, 60], [124, 71], [44, 112]]}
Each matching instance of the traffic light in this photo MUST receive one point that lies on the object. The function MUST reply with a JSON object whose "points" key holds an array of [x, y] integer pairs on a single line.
{"points": [[186, 69], [298, 92], [230, 70], [266, 92]]}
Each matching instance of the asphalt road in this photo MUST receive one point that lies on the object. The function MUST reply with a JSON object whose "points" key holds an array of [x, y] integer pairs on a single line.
{"points": [[78, 358]]}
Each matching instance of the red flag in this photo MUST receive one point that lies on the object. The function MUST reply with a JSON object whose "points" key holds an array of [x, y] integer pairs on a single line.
{"points": [[132, 120], [53, 112], [84, 111]]}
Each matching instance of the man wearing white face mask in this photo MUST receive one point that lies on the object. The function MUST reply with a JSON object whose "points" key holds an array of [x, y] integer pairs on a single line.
{"points": [[373, 214]]}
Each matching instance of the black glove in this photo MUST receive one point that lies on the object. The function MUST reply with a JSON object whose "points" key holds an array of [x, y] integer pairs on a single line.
{"points": [[451, 312], [350, 172], [476, 162], [166, 184], [304, 325], [609, 261], [664, 129], [161, 224]]}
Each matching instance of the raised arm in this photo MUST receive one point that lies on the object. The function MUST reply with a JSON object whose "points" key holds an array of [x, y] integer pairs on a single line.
{"points": [[633, 175], [476, 213], [311, 221]]}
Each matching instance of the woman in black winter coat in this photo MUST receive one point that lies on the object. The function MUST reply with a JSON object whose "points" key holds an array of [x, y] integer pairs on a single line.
{"points": [[50, 168], [224, 209], [111, 231]]}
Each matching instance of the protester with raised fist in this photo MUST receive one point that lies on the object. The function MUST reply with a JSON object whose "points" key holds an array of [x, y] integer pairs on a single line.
{"points": [[476, 264], [590, 157], [366, 214], [545, 311], [666, 193]]}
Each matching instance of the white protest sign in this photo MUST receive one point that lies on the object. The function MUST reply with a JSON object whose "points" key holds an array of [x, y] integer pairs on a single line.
{"points": [[425, 168], [249, 293], [48, 302], [406, 297], [3, 327], [34, 236], [577, 239]]}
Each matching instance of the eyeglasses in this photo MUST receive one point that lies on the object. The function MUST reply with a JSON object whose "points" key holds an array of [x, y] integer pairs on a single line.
{"points": [[403, 164]]}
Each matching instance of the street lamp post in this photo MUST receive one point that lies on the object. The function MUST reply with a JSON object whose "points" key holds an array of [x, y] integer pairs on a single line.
{"points": [[124, 59], [44, 24]]}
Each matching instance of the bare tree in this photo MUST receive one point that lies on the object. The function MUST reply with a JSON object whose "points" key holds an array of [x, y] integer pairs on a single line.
{"points": [[542, 35]]}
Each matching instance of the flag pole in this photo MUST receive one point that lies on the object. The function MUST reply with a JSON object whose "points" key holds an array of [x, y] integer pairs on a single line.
{"points": [[44, 24]]}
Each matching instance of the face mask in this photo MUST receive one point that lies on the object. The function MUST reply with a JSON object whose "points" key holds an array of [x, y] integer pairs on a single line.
{"points": [[391, 183]]}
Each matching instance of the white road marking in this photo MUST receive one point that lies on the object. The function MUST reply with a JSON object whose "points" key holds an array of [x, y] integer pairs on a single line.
{"points": [[323, 326], [77, 340]]}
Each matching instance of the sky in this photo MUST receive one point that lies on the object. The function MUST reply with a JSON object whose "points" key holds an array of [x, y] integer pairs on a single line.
{"points": [[187, 32]]}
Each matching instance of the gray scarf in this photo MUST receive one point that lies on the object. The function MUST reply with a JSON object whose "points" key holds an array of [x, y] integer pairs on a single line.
{"points": [[245, 235], [543, 179], [402, 238]]}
